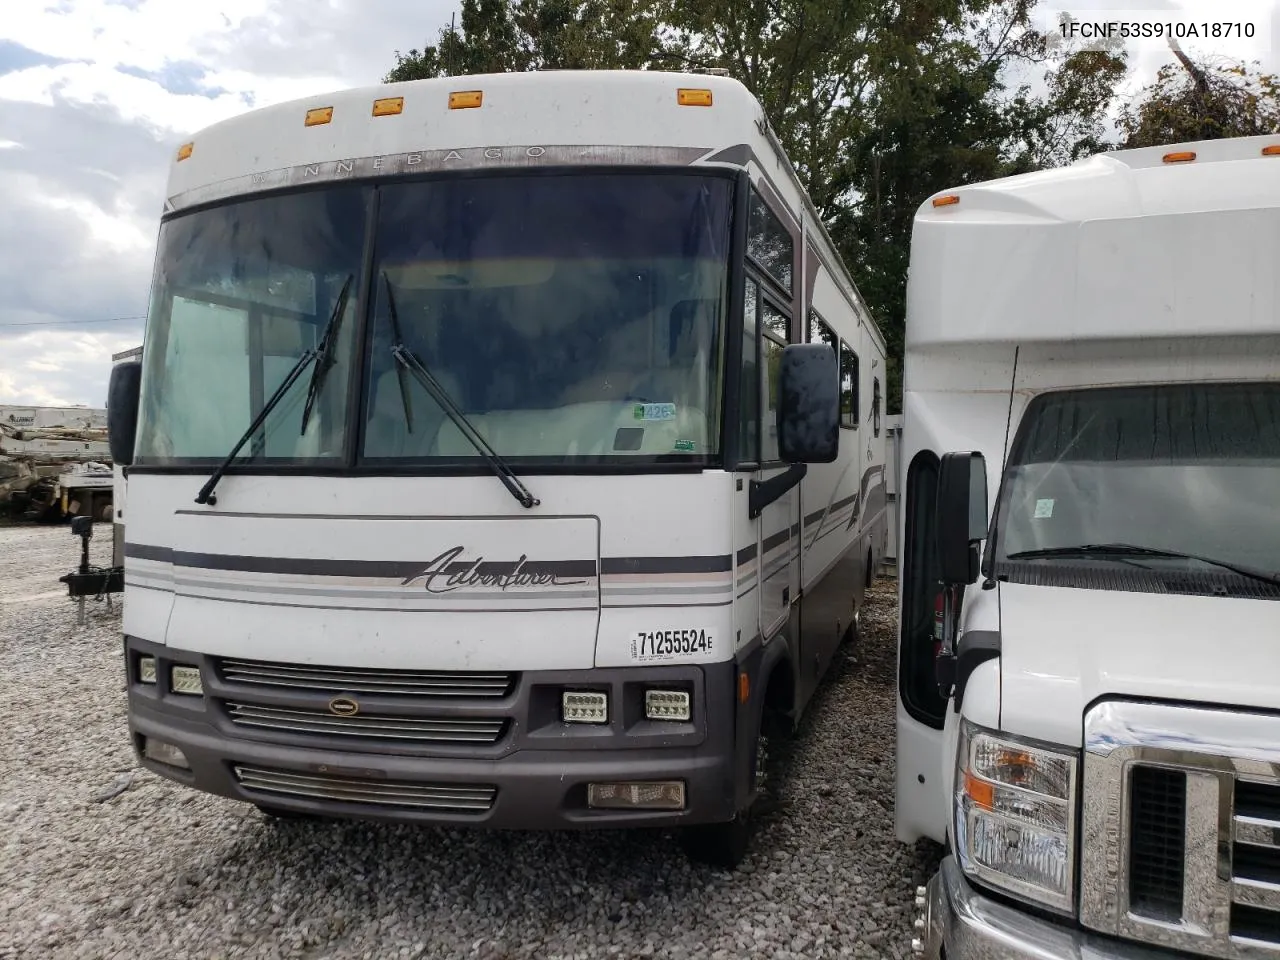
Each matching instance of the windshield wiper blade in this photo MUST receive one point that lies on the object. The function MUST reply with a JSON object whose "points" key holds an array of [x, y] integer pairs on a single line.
{"points": [[206, 494], [1134, 550], [407, 360], [325, 349]]}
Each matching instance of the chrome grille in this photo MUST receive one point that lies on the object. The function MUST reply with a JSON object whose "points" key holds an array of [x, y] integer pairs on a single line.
{"points": [[373, 726], [1181, 827], [335, 680], [456, 798]]}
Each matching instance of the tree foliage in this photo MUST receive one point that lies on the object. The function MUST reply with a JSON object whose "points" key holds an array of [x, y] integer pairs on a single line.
{"points": [[878, 105], [1192, 100]]}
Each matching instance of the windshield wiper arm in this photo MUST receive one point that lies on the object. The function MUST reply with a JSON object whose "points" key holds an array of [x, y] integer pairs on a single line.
{"points": [[407, 360], [325, 349], [206, 494], [323, 354], [1133, 550]]}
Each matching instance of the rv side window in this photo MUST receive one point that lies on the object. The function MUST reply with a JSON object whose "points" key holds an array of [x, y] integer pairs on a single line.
{"points": [[776, 334], [920, 593], [848, 387], [875, 404], [819, 332], [769, 243], [749, 390]]}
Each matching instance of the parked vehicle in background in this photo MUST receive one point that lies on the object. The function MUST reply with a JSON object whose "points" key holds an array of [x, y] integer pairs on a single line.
{"points": [[1088, 699], [509, 454], [54, 463]]}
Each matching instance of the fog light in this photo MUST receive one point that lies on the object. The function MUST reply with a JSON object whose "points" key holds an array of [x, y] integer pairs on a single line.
{"points": [[186, 680], [165, 753], [585, 707], [147, 669], [666, 705], [654, 795]]}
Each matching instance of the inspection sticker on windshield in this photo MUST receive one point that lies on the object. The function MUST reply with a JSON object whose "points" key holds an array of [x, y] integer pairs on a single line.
{"points": [[1044, 509], [668, 644], [655, 411]]}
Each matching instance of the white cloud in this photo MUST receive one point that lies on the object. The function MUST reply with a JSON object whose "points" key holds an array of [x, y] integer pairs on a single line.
{"points": [[94, 96]]}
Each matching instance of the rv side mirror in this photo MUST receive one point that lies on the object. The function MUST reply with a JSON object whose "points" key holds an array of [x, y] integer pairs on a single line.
{"points": [[962, 516], [122, 410], [808, 404]]}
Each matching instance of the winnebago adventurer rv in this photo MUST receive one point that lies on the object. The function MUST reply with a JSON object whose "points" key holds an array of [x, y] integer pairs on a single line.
{"points": [[509, 452], [1089, 710]]}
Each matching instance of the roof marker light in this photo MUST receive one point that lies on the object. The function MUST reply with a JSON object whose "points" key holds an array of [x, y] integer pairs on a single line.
{"points": [[949, 200], [693, 97], [1181, 156], [318, 116], [185, 150], [466, 99], [1271, 151], [388, 107]]}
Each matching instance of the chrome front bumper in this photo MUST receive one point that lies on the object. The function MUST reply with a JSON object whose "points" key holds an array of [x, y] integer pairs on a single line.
{"points": [[960, 923]]}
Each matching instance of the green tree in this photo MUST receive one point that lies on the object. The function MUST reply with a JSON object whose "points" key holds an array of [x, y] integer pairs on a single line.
{"points": [[1192, 100]]}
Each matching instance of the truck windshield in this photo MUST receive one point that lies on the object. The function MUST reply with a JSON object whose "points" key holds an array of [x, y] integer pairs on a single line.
{"points": [[1189, 469], [570, 318], [241, 292]]}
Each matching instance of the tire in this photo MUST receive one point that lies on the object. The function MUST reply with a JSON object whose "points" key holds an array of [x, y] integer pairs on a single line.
{"points": [[725, 845]]}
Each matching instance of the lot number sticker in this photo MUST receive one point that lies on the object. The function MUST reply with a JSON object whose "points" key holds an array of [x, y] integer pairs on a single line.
{"points": [[670, 644]]}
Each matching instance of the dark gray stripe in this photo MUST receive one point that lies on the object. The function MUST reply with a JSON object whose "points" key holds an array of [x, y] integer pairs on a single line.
{"points": [[624, 565], [401, 568], [746, 554], [838, 505]]}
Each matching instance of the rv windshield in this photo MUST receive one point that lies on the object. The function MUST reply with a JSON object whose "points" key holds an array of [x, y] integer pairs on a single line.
{"points": [[241, 291], [569, 318], [1185, 469]]}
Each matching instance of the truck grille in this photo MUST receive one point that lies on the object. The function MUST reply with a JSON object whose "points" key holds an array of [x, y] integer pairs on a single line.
{"points": [[373, 726], [1157, 815], [452, 798], [1181, 828], [335, 680]]}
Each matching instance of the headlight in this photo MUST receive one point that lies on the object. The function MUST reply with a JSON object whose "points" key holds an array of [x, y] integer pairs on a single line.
{"points": [[1015, 816], [186, 680]]}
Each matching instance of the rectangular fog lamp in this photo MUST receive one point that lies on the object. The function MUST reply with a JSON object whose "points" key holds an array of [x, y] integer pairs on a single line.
{"points": [[146, 669], [653, 795], [165, 753], [187, 680], [666, 705], [581, 707]]}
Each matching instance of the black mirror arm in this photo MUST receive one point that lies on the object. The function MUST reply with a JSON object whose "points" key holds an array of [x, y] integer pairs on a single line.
{"points": [[764, 492]]}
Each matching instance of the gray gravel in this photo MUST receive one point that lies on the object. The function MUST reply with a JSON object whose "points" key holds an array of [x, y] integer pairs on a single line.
{"points": [[103, 859]]}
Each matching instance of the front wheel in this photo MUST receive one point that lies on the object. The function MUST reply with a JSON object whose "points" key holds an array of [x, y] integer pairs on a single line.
{"points": [[725, 845]]}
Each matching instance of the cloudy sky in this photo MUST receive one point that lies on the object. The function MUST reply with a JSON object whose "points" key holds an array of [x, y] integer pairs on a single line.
{"points": [[96, 94]]}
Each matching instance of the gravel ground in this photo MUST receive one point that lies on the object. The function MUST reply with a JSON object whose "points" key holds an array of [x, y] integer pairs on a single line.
{"points": [[160, 871]]}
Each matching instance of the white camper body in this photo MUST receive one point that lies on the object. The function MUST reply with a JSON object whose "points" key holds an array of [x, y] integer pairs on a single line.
{"points": [[601, 271], [1103, 756]]}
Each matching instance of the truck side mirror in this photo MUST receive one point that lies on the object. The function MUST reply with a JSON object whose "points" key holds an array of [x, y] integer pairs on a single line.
{"points": [[122, 410], [962, 516], [808, 404]]}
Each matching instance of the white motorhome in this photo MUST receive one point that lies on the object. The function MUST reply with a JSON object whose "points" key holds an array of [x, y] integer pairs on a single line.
{"points": [[483, 472], [1089, 711]]}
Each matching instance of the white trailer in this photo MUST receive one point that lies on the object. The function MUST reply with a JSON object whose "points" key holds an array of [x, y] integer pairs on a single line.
{"points": [[510, 453], [1089, 716]]}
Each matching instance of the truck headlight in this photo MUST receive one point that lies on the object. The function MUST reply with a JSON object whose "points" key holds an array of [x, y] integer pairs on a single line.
{"points": [[1016, 816]]}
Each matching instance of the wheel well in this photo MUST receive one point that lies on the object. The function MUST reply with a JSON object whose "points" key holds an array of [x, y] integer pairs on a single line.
{"points": [[780, 691]]}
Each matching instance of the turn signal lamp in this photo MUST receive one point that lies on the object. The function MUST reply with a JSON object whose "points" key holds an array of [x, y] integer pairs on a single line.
{"points": [[584, 707], [1180, 156], [185, 150], [388, 107], [466, 99], [1271, 151], [950, 200], [693, 97], [318, 116]]}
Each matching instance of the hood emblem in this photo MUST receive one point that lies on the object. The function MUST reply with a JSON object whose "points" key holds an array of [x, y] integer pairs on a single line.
{"points": [[343, 707]]}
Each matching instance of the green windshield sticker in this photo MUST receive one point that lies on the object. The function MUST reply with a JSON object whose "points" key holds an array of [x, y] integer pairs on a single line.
{"points": [[684, 445], [654, 411], [1044, 509]]}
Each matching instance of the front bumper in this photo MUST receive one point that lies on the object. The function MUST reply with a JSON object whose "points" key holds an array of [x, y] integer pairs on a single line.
{"points": [[960, 923], [534, 777]]}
